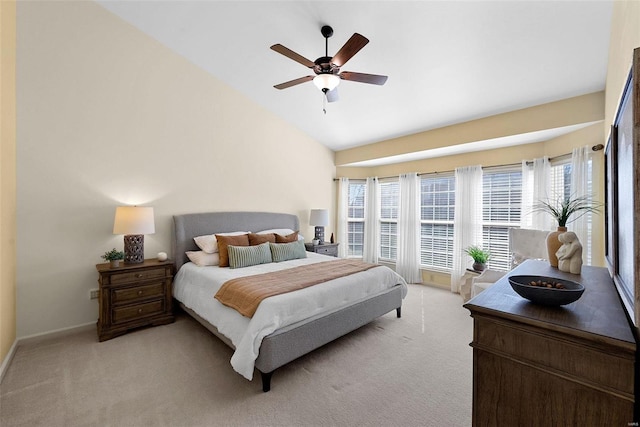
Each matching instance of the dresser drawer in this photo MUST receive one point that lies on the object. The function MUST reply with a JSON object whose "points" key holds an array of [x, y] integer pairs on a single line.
{"points": [[137, 293], [137, 311], [136, 276], [329, 250]]}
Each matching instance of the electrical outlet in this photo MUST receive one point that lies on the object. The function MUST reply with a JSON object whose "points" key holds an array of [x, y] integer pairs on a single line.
{"points": [[94, 293]]}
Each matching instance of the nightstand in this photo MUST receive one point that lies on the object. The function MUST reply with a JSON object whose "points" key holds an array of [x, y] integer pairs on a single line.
{"points": [[134, 295], [330, 249]]}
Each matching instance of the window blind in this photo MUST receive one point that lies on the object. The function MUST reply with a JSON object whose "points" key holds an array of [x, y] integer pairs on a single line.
{"points": [[389, 202], [437, 208], [501, 210], [355, 221]]}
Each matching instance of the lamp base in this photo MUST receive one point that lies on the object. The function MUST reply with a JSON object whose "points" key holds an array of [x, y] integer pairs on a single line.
{"points": [[134, 248], [319, 234]]}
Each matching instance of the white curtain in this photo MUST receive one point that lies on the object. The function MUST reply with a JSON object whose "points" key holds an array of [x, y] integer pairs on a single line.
{"points": [[371, 218], [342, 233], [408, 256], [536, 187], [580, 188], [467, 221]]}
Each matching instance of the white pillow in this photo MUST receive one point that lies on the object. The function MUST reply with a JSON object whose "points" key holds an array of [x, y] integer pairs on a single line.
{"points": [[209, 243], [282, 232], [203, 259]]}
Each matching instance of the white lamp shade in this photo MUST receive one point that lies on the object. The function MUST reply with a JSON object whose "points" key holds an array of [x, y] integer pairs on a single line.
{"points": [[326, 81], [134, 220], [319, 217]]}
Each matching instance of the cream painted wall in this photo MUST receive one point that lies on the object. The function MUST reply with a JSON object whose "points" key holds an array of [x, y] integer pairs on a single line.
{"points": [[577, 110], [625, 36], [108, 116], [7, 177]]}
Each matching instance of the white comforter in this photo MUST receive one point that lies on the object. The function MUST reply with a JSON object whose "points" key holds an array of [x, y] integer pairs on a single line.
{"points": [[196, 286]]}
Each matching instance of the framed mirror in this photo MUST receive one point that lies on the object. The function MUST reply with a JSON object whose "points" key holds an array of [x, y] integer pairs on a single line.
{"points": [[622, 213]]}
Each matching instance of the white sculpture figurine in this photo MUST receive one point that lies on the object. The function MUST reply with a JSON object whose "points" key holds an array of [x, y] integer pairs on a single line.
{"points": [[570, 253]]}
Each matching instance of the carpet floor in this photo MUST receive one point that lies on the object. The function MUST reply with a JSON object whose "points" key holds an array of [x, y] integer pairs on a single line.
{"points": [[412, 371]]}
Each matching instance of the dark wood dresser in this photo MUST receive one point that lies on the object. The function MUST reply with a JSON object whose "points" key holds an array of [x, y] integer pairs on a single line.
{"points": [[553, 366], [134, 295]]}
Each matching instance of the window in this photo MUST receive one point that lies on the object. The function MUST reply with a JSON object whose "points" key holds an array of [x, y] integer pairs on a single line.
{"points": [[560, 180], [389, 201], [561, 189], [501, 208], [437, 208], [356, 218]]}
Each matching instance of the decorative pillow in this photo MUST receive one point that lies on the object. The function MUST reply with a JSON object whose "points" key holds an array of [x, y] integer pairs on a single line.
{"points": [[245, 256], [209, 243], [203, 259], [225, 241], [286, 251], [257, 239], [288, 238], [282, 232]]}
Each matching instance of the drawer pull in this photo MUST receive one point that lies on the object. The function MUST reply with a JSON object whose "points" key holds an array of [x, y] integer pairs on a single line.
{"points": [[139, 293], [139, 275], [139, 310]]}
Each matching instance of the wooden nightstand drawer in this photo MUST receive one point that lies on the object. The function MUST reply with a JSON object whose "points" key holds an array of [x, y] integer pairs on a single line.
{"points": [[328, 250], [130, 312], [137, 293], [137, 276]]}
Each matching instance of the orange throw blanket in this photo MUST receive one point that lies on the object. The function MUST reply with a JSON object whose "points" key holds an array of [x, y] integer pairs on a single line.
{"points": [[245, 293]]}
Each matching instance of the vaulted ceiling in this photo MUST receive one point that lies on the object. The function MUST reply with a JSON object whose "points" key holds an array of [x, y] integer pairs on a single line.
{"points": [[448, 61]]}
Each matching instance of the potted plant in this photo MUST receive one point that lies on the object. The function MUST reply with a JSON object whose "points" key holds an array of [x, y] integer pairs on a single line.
{"points": [[565, 210], [480, 257], [114, 257]]}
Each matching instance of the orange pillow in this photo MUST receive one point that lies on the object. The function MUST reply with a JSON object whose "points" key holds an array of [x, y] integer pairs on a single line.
{"points": [[288, 238], [225, 241], [258, 239]]}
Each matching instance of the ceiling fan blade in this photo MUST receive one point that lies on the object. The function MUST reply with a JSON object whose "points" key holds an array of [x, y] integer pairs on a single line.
{"points": [[332, 95], [350, 48], [292, 55], [294, 82], [373, 79]]}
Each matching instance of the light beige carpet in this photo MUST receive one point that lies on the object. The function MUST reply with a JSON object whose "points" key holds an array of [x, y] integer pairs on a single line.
{"points": [[412, 371]]}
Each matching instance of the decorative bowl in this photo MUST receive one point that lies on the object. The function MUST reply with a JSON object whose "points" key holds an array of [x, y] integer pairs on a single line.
{"points": [[550, 291]]}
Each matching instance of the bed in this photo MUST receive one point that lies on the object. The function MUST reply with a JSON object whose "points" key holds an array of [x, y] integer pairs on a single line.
{"points": [[269, 339]]}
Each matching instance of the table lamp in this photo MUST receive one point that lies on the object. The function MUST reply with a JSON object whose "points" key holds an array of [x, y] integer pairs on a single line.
{"points": [[134, 222], [319, 218]]}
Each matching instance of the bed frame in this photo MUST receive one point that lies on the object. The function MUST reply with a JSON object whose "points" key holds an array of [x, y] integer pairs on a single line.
{"points": [[288, 343]]}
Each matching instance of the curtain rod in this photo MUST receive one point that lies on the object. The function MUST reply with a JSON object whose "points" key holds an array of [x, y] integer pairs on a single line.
{"points": [[597, 147]]}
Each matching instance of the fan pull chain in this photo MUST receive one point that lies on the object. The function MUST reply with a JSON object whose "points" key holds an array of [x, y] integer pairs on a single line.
{"points": [[324, 103]]}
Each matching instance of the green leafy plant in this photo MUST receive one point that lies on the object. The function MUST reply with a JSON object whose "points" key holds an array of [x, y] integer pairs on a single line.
{"points": [[567, 209], [478, 254], [113, 255]]}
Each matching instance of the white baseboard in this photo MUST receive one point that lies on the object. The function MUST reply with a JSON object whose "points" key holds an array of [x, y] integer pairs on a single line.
{"points": [[7, 360], [56, 333], [40, 337]]}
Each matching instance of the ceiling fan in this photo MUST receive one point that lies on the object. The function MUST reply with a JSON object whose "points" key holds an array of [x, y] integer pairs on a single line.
{"points": [[327, 69]]}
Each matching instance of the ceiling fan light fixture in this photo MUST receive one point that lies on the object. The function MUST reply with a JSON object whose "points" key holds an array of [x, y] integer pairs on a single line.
{"points": [[326, 81]]}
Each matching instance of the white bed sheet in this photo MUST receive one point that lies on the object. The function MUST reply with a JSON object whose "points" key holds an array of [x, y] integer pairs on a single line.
{"points": [[196, 286]]}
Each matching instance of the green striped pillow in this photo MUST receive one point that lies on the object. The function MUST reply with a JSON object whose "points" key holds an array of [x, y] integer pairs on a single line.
{"points": [[245, 256], [287, 251]]}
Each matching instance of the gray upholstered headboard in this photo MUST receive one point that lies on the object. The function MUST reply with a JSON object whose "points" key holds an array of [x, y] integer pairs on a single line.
{"points": [[188, 226]]}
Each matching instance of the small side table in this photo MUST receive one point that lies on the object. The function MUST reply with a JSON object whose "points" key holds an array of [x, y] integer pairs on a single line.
{"points": [[134, 295], [326, 248]]}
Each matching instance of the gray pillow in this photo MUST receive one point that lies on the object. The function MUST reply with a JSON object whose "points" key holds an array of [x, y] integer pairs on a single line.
{"points": [[245, 256], [286, 251]]}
